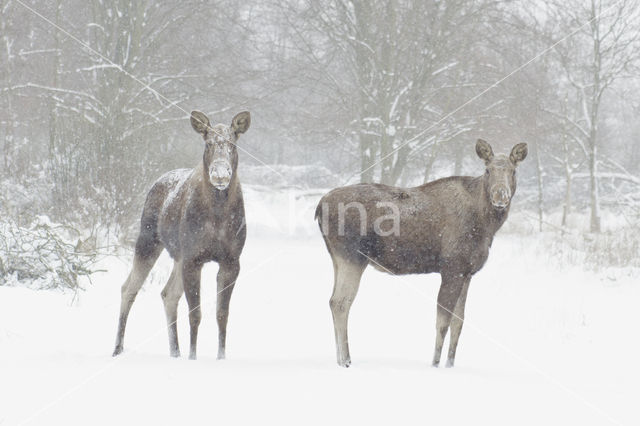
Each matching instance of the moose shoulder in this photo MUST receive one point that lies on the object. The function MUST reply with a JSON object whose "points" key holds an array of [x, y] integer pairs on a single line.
{"points": [[444, 226]]}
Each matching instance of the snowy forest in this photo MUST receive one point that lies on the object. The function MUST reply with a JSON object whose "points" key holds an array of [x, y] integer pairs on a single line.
{"points": [[95, 100], [395, 92]]}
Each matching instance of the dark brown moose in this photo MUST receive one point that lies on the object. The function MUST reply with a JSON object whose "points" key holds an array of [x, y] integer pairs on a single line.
{"points": [[198, 216], [444, 226]]}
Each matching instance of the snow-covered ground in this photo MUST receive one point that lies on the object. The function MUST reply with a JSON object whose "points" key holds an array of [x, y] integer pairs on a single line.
{"points": [[541, 344]]}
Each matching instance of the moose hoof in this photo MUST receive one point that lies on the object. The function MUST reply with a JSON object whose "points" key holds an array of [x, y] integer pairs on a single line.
{"points": [[220, 356], [450, 363], [345, 363], [435, 364], [117, 351], [193, 357], [175, 353]]}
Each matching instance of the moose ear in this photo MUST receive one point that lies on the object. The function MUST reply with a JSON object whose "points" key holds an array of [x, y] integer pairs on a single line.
{"points": [[484, 151], [241, 122], [518, 153], [199, 122]]}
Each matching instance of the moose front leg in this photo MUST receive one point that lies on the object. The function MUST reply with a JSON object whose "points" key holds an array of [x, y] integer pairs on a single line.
{"points": [[171, 295], [227, 275], [450, 290], [191, 281], [456, 323]]}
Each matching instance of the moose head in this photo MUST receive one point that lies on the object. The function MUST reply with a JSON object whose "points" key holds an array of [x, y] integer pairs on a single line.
{"points": [[220, 153], [501, 172]]}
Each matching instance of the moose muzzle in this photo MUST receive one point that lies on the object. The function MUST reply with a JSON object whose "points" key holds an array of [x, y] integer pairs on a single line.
{"points": [[220, 173], [500, 196]]}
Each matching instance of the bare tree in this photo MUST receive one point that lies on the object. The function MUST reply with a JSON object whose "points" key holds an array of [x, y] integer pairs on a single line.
{"points": [[121, 75], [605, 50], [392, 67], [368, 90]]}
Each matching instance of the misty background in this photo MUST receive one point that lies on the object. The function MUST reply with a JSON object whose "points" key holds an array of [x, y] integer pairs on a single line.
{"points": [[344, 91]]}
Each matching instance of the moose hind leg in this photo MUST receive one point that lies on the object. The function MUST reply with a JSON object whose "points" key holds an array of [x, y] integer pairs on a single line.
{"points": [[171, 295], [227, 275], [447, 298], [456, 324], [191, 281], [347, 282], [146, 255]]}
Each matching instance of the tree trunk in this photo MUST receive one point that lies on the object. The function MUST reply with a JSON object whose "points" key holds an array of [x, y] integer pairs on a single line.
{"points": [[458, 162], [9, 133], [566, 209], [540, 175], [402, 156], [593, 185], [367, 151], [429, 164], [593, 122], [386, 157]]}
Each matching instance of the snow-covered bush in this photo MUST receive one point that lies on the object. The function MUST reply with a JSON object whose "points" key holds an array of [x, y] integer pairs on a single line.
{"points": [[43, 255], [617, 247], [611, 249]]}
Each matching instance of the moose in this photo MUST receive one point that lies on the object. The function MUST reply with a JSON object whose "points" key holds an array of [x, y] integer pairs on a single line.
{"points": [[445, 226], [197, 215]]}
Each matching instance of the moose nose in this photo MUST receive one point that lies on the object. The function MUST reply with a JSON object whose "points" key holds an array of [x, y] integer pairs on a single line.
{"points": [[220, 174], [501, 197], [220, 183]]}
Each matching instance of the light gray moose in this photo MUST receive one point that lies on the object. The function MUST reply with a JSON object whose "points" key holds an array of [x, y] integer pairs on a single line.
{"points": [[444, 226]]}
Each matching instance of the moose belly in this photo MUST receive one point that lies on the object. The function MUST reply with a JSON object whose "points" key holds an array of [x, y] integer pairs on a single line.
{"points": [[398, 257]]}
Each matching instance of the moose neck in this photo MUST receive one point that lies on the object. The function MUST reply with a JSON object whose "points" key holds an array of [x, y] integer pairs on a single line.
{"points": [[493, 217]]}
